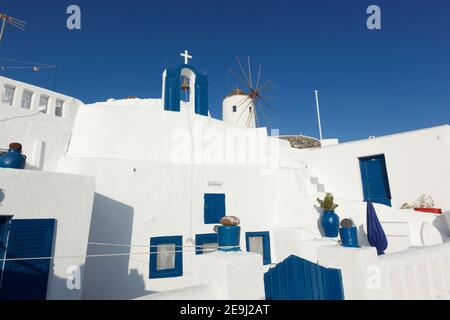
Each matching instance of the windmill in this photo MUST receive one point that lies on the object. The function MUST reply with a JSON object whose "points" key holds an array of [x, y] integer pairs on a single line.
{"points": [[19, 24], [254, 100]]}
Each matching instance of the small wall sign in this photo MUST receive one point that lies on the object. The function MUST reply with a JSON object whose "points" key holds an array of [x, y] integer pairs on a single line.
{"points": [[215, 183]]}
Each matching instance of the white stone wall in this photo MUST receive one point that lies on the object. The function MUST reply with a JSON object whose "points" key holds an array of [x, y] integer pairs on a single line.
{"points": [[417, 162], [66, 198], [44, 136]]}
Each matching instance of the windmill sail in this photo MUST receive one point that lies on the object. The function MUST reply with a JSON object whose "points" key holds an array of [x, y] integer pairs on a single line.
{"points": [[255, 94]]}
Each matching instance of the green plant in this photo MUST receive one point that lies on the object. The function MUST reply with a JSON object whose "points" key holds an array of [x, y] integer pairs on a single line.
{"points": [[407, 206], [423, 201], [327, 204]]}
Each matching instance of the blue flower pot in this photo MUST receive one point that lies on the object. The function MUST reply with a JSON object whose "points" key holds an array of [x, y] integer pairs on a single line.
{"points": [[229, 238], [329, 221], [13, 158], [349, 237]]}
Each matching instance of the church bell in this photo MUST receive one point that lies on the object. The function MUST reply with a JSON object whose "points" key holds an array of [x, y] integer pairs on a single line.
{"points": [[185, 84]]}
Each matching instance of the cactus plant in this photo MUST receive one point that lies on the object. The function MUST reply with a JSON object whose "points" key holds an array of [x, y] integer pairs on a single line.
{"points": [[327, 204]]}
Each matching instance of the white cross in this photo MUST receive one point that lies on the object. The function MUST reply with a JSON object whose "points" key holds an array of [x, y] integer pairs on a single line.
{"points": [[186, 56]]}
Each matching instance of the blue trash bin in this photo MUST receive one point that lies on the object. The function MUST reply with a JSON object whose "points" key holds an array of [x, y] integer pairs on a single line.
{"points": [[229, 238], [349, 237]]}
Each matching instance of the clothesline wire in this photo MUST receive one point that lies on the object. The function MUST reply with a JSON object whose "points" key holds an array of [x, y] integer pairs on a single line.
{"points": [[109, 255], [136, 245]]}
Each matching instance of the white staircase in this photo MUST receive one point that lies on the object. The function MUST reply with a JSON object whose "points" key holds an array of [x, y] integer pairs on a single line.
{"points": [[317, 187]]}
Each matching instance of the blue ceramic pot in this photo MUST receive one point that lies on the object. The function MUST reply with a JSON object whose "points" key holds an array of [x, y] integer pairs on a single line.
{"points": [[13, 158], [329, 221], [349, 237], [229, 238]]}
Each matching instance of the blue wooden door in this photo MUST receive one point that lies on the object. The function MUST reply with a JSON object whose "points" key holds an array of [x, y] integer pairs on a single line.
{"points": [[298, 279], [375, 180], [27, 279], [214, 209]]}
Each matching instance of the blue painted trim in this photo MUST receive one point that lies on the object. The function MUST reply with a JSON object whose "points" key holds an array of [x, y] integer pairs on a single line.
{"points": [[5, 223], [201, 239], [169, 273], [214, 207], [267, 258]]}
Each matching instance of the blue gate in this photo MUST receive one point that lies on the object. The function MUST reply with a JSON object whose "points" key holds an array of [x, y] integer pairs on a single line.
{"points": [[26, 279], [299, 279]]}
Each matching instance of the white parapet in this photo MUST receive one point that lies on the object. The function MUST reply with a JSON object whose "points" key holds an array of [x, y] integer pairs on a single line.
{"points": [[233, 275], [358, 266], [221, 276]]}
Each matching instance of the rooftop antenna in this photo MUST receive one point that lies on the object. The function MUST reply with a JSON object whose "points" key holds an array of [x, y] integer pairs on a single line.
{"points": [[255, 92], [19, 24]]}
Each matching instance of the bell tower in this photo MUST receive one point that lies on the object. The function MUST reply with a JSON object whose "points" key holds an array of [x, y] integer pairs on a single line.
{"points": [[184, 83]]}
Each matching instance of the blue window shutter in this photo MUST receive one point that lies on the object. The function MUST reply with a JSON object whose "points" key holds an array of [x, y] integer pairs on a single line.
{"points": [[201, 239], [28, 279], [177, 271], [267, 258], [214, 206], [201, 92], [172, 90]]}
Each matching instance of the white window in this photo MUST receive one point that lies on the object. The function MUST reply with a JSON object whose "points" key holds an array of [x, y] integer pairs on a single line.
{"points": [[27, 97], [8, 95], [165, 257], [209, 247], [256, 245], [59, 112], [43, 102]]}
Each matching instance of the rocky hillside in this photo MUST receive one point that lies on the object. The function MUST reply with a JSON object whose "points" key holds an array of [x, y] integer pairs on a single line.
{"points": [[302, 142]]}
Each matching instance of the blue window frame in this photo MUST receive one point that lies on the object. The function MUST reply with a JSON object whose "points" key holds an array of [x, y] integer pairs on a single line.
{"points": [[166, 257], [214, 208], [259, 242], [205, 239]]}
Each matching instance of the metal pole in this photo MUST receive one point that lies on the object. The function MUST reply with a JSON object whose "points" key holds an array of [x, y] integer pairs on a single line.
{"points": [[318, 114], [3, 29], [55, 71]]}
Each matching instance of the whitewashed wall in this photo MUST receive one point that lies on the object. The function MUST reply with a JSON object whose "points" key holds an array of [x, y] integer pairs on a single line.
{"points": [[142, 193], [44, 136], [417, 162], [66, 198]]}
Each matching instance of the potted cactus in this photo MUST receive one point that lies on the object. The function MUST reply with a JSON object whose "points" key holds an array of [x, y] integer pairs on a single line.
{"points": [[349, 234], [329, 220]]}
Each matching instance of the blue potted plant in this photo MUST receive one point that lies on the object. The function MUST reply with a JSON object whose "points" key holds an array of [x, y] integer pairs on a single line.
{"points": [[13, 158], [349, 234], [329, 220]]}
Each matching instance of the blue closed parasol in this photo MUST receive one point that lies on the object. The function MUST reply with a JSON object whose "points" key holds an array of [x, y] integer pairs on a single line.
{"points": [[375, 233]]}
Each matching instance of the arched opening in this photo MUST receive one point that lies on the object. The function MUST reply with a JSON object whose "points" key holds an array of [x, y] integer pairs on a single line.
{"points": [[187, 85], [184, 84]]}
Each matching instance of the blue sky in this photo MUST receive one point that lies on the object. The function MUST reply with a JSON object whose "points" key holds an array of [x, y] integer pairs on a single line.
{"points": [[371, 82]]}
